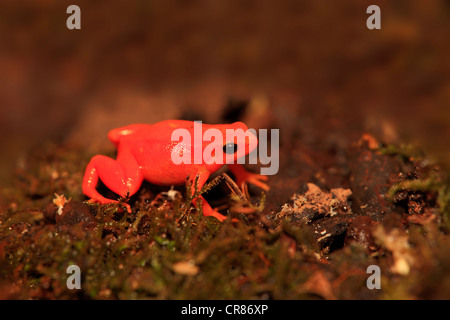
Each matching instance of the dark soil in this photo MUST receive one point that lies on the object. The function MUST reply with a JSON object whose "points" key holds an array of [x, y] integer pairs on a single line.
{"points": [[306, 238]]}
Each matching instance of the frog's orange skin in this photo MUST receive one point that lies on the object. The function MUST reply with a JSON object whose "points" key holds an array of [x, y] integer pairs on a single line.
{"points": [[144, 153]]}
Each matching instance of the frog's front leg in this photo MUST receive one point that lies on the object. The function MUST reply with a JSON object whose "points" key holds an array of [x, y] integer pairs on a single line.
{"points": [[243, 176], [203, 176], [122, 176]]}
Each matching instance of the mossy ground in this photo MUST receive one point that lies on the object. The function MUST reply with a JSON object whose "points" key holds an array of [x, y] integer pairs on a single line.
{"points": [[165, 249]]}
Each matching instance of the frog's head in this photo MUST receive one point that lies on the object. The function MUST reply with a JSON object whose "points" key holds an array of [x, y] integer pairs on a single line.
{"points": [[236, 142]]}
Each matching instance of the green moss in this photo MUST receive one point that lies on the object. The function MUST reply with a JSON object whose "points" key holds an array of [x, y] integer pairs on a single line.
{"points": [[408, 152], [435, 181], [132, 255]]}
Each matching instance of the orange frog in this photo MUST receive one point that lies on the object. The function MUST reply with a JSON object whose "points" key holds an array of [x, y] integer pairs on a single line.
{"points": [[145, 152]]}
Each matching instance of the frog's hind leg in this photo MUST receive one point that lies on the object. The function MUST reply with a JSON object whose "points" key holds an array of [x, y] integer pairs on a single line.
{"points": [[122, 176]]}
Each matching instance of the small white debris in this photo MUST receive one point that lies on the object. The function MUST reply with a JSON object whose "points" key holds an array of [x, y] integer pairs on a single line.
{"points": [[187, 268], [60, 201], [324, 237], [171, 194]]}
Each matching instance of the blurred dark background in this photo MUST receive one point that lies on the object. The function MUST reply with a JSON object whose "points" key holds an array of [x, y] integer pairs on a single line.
{"points": [[145, 61]]}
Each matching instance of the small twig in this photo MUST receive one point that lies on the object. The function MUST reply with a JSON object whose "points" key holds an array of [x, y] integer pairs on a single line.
{"points": [[234, 187], [189, 198], [245, 196]]}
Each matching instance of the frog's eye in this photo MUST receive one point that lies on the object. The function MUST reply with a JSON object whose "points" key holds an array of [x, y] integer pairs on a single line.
{"points": [[230, 148]]}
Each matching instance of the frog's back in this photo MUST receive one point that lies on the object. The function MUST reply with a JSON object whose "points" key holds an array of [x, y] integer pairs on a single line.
{"points": [[117, 134], [167, 126]]}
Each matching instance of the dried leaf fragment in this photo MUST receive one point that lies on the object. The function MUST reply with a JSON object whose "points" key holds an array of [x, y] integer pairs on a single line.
{"points": [[60, 201], [187, 268]]}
